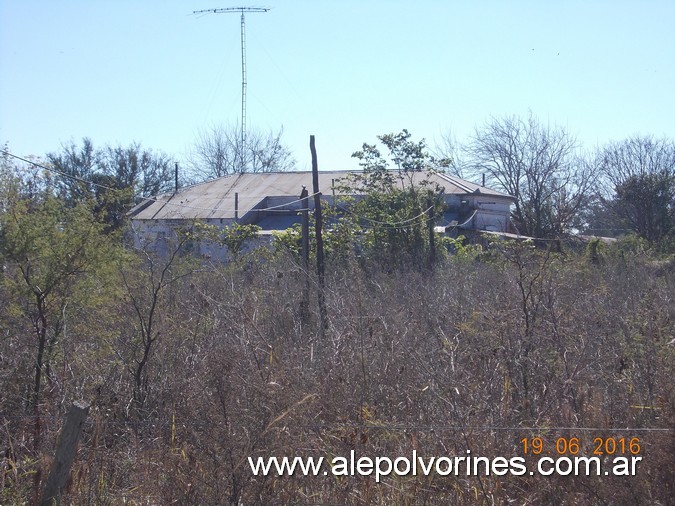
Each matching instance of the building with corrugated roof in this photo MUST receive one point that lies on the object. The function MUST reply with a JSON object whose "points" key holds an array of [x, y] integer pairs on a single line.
{"points": [[272, 201]]}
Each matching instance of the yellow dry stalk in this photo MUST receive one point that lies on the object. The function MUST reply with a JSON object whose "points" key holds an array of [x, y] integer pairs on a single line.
{"points": [[173, 430]]}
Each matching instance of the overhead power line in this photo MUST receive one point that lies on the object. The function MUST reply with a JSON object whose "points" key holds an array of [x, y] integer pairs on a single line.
{"points": [[153, 199], [393, 224], [56, 171], [410, 222]]}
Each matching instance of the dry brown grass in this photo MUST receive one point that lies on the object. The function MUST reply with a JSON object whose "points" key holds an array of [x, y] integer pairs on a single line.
{"points": [[466, 357]]}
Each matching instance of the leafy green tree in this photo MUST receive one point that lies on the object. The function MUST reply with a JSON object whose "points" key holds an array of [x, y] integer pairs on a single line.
{"points": [[341, 234], [598, 219], [398, 203], [145, 172], [115, 177], [233, 237], [648, 203], [52, 254]]}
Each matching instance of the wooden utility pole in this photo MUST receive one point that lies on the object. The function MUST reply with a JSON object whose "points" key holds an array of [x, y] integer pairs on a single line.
{"points": [[304, 303], [318, 226]]}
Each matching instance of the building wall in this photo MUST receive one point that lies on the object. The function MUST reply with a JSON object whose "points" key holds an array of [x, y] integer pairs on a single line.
{"points": [[475, 212], [159, 237], [492, 214]]}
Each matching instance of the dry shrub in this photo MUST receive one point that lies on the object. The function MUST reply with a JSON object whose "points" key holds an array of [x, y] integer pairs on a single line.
{"points": [[461, 358]]}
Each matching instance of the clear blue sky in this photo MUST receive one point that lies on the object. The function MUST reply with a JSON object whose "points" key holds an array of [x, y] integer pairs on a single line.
{"points": [[150, 71]]}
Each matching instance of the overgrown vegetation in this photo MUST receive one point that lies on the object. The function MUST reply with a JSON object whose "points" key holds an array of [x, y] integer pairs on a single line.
{"points": [[192, 368]]}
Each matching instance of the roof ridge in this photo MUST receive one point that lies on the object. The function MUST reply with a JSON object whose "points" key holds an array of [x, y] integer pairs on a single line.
{"points": [[461, 182]]}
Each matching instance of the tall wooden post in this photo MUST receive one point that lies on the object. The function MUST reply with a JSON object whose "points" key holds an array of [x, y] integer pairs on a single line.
{"points": [[65, 453], [432, 236], [304, 195], [304, 303], [318, 226], [332, 186]]}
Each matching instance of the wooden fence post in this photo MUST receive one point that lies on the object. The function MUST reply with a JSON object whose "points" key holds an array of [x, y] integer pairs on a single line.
{"points": [[65, 453]]}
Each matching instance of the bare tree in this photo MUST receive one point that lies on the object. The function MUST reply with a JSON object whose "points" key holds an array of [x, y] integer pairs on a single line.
{"points": [[539, 166], [218, 152], [639, 184], [448, 152], [146, 282], [637, 156]]}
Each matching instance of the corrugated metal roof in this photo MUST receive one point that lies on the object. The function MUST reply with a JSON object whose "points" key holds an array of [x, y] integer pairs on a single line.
{"points": [[216, 199]]}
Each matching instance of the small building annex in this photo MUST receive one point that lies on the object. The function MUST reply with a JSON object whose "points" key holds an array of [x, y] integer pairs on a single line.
{"points": [[271, 200]]}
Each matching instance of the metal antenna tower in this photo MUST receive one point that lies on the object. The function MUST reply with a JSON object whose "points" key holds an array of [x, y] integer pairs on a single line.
{"points": [[242, 10]]}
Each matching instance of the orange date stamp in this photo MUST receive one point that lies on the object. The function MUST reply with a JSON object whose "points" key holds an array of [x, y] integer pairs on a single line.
{"points": [[598, 446]]}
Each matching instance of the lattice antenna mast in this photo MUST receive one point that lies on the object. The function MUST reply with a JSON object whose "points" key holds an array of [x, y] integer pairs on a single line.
{"points": [[242, 10]]}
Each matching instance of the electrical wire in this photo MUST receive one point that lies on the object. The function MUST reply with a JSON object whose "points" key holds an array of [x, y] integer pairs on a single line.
{"points": [[60, 173], [276, 208], [395, 224]]}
